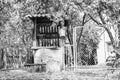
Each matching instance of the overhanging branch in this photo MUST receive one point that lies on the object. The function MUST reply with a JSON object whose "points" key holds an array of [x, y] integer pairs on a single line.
{"points": [[80, 35], [103, 25], [94, 20]]}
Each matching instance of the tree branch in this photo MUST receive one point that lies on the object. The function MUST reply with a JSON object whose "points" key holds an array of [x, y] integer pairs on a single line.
{"points": [[101, 18], [80, 35], [86, 21], [94, 20], [69, 36], [106, 28], [103, 25]]}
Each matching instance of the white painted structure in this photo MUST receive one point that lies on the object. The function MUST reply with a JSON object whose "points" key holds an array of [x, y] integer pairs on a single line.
{"points": [[104, 47]]}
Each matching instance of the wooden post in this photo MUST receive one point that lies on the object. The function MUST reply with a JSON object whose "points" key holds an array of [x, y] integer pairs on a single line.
{"points": [[35, 33], [63, 57], [5, 59], [58, 36], [20, 60], [74, 48]]}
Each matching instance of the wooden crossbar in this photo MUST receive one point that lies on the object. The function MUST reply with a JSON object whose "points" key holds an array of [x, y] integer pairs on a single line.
{"points": [[35, 64]]}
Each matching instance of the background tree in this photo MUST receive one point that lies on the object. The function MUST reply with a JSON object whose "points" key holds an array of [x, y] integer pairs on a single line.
{"points": [[105, 13], [16, 28]]}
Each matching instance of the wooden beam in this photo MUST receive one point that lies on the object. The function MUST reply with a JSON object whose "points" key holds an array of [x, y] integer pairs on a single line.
{"points": [[5, 59], [20, 59], [74, 46], [35, 33]]}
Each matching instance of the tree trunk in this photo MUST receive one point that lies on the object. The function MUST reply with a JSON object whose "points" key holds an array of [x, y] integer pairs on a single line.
{"points": [[69, 35], [2, 59], [78, 42]]}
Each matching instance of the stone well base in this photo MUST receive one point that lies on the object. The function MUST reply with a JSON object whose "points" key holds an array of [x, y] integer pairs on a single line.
{"points": [[52, 58]]}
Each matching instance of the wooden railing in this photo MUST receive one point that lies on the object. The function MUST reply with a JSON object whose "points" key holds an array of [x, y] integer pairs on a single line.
{"points": [[68, 56], [35, 67], [13, 62], [47, 35]]}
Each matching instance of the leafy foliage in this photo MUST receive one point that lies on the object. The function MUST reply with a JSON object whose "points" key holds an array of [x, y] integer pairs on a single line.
{"points": [[16, 28]]}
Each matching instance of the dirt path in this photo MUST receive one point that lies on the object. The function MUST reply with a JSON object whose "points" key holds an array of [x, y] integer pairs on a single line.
{"points": [[65, 75]]}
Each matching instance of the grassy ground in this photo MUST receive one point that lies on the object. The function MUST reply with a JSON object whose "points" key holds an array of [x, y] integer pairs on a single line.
{"points": [[79, 74]]}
